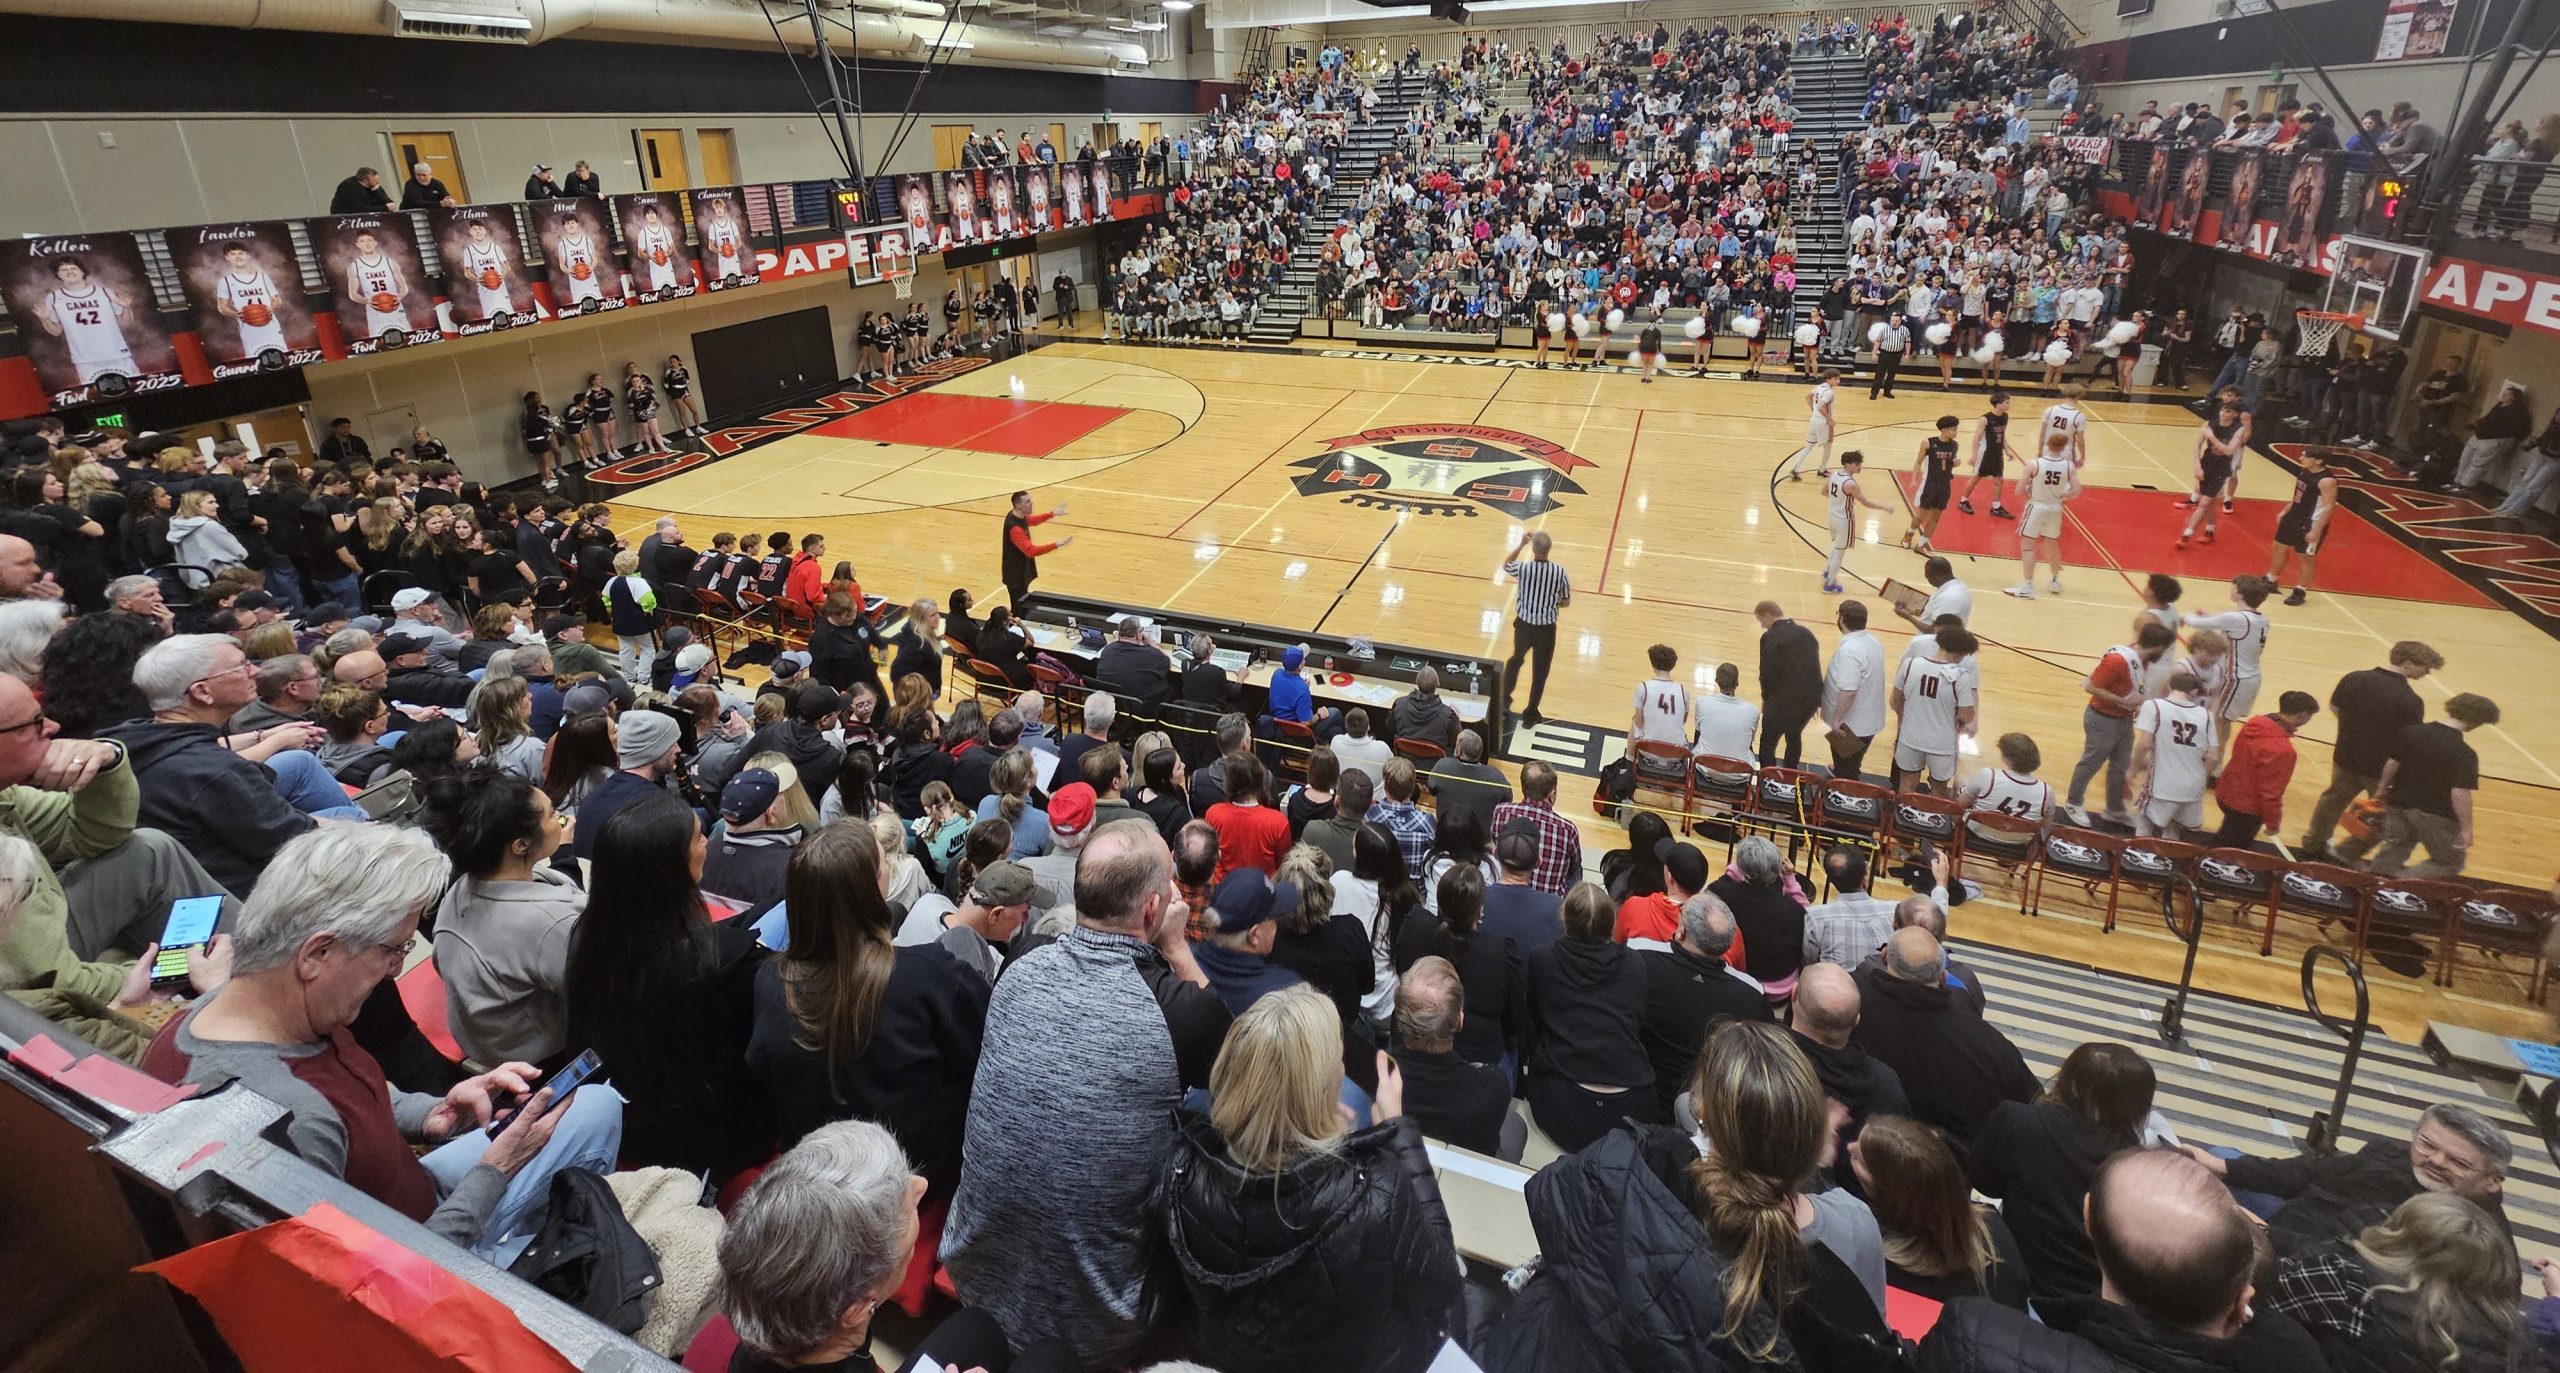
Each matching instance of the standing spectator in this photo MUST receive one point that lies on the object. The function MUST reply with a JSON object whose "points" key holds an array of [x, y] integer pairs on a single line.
{"points": [[1588, 1068], [2037, 1158], [1545, 591], [2498, 432], [2428, 777], [1791, 683], [2260, 768], [1559, 843], [1954, 1066]]}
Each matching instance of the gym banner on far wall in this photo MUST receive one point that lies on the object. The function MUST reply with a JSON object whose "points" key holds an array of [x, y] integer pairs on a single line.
{"points": [[86, 317], [577, 252], [2155, 187], [965, 218], [375, 275], [1097, 174], [2414, 29], [1040, 198], [720, 226], [244, 286], [653, 237], [485, 278], [2240, 206], [2186, 206]]}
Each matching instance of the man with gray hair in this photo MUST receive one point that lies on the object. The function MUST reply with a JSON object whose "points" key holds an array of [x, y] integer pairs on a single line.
{"points": [[821, 1242], [140, 595], [1954, 1065], [1101, 711], [339, 915], [2316, 1199], [1465, 784], [1452, 1100], [1688, 989], [233, 804], [1091, 1042], [286, 685]]}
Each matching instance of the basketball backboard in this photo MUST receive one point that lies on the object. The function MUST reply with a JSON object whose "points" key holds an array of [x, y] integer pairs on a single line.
{"points": [[2377, 280]]}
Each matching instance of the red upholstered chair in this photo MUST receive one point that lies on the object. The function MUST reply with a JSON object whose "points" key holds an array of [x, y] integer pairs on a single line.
{"points": [[2243, 877], [1920, 818], [2323, 892], [2505, 920], [713, 1346], [422, 993], [2148, 865], [1289, 761], [2083, 856], [1661, 770]]}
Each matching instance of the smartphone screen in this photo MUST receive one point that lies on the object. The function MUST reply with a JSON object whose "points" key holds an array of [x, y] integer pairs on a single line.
{"points": [[580, 1069], [191, 921]]}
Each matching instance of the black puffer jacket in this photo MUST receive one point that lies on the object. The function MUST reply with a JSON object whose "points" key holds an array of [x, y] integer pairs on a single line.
{"points": [[1343, 1262], [2093, 1335], [2331, 1197]]}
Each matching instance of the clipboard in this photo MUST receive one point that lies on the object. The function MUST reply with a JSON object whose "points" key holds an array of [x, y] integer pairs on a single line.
{"points": [[1908, 599]]}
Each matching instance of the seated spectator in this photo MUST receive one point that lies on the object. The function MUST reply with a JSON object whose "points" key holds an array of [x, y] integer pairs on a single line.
{"points": [[86, 682], [1559, 843], [1924, 913], [1937, 1243], [2318, 1198], [821, 1242], [1655, 920], [1421, 715], [2433, 1286], [417, 680], [744, 868], [979, 928], [1852, 924], [1727, 724], [429, 751], [1008, 799], [339, 916], [1354, 747], [1134, 669], [974, 741], [1955, 1067], [1204, 683], [1313, 799], [1588, 1068], [1448, 1098], [1093, 1038], [1690, 987], [414, 610], [1162, 795], [1003, 645], [231, 807], [1465, 784], [1400, 811], [850, 1025], [1209, 784], [1251, 832], [665, 997], [1101, 711], [502, 727], [1761, 893], [287, 686], [1489, 965], [1513, 909], [1279, 1208], [2176, 1258], [1331, 951], [1822, 1019], [646, 752], [1348, 799], [357, 721], [1732, 1263], [107, 1022], [504, 924], [1636, 870], [1244, 927], [2037, 1158]]}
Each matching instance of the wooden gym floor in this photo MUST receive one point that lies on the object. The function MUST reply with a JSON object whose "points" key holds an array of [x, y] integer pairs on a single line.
{"points": [[1216, 481]]}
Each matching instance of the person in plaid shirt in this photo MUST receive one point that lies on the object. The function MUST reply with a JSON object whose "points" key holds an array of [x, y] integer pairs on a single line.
{"points": [[1408, 822], [1559, 843], [1195, 860], [2381, 1293]]}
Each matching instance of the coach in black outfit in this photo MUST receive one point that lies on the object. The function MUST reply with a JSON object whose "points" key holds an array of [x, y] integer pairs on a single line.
{"points": [[1790, 683]]}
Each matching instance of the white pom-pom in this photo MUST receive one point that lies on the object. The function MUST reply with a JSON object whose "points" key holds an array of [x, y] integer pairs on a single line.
{"points": [[1994, 343], [2112, 350], [1747, 325], [1875, 332], [1696, 327], [1582, 326], [1985, 354], [2122, 332], [1616, 318], [1939, 333], [1555, 322], [1808, 335], [2057, 353]]}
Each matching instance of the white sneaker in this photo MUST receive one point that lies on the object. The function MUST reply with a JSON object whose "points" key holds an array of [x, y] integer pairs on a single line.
{"points": [[2078, 816], [2025, 591], [2056, 588]]}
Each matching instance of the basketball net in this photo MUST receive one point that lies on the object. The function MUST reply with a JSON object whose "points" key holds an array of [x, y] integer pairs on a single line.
{"points": [[901, 275], [2320, 328]]}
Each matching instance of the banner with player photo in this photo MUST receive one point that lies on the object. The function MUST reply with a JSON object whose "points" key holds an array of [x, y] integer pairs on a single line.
{"points": [[1004, 201], [912, 207], [964, 210], [1097, 175], [486, 282], [376, 278], [1074, 188], [2154, 194], [577, 252], [726, 259], [2187, 206], [244, 286], [660, 264], [2240, 204], [1040, 198], [2299, 231], [86, 317]]}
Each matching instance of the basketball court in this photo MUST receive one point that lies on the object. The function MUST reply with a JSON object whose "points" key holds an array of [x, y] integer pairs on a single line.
{"points": [[1377, 494]]}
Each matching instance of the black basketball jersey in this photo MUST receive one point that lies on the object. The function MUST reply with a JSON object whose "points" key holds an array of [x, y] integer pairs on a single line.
{"points": [[1941, 460]]}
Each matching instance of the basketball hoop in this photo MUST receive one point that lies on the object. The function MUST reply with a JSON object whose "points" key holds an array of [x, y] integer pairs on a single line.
{"points": [[2320, 327], [900, 273]]}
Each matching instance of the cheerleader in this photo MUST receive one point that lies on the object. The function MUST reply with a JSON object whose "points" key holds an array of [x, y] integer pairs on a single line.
{"points": [[1995, 337], [541, 437], [1573, 334], [573, 423], [1539, 334], [600, 414], [679, 384], [1947, 351], [951, 311], [982, 307], [916, 329], [1755, 344], [640, 395], [866, 354], [1811, 353]]}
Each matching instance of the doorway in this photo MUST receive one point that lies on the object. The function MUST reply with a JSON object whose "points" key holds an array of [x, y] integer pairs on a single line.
{"points": [[719, 156], [948, 140], [1058, 143], [765, 361], [662, 159], [438, 152]]}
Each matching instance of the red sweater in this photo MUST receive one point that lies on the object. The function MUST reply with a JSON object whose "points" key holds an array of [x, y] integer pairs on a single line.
{"points": [[805, 583], [2261, 766], [1248, 837]]}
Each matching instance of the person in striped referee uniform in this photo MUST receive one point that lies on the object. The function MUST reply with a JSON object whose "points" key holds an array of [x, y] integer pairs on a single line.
{"points": [[1544, 591]]}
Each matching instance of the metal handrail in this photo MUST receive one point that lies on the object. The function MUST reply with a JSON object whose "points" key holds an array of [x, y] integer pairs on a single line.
{"points": [[2178, 896], [2327, 1125]]}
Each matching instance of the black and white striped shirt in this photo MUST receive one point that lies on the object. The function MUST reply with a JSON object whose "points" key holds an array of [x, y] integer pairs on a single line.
{"points": [[1543, 588]]}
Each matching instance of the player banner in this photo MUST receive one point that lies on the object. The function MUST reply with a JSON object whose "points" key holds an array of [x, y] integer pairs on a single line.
{"points": [[2155, 186], [86, 317], [964, 215], [486, 283], [661, 265], [1004, 199], [2306, 195], [720, 226], [2240, 207], [1074, 189], [578, 256], [1040, 199], [2414, 28], [1097, 191], [244, 286], [376, 278], [2187, 207]]}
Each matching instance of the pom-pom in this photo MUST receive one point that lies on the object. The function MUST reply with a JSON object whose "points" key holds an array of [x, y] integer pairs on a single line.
{"points": [[1995, 342], [1939, 333], [1985, 354], [1747, 325], [1808, 335], [2122, 332], [2057, 353], [1555, 322], [2112, 350], [1616, 318], [1582, 326], [1696, 327]]}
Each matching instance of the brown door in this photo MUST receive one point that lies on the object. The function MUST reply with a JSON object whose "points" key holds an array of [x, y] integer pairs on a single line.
{"points": [[437, 151], [719, 156], [662, 166], [948, 140]]}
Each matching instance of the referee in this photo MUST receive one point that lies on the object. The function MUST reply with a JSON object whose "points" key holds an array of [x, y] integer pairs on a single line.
{"points": [[1544, 590]]}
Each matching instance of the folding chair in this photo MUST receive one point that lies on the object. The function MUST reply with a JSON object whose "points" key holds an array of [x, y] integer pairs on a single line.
{"points": [[2011, 843], [2147, 864], [2418, 908], [2083, 856], [2244, 877], [2504, 920], [2323, 892]]}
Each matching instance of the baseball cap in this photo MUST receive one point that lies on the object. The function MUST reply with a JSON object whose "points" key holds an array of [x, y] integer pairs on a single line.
{"points": [[266, 600], [693, 658], [557, 625], [542, 166], [674, 637], [790, 664], [370, 624], [1009, 884], [1071, 809], [645, 737], [586, 698], [749, 794], [400, 644], [327, 612], [1682, 863], [1293, 655], [410, 598], [1245, 898]]}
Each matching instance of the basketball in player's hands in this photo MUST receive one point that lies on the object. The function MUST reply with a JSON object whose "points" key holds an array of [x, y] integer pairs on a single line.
{"points": [[581, 270], [658, 256], [489, 278], [256, 315], [385, 302]]}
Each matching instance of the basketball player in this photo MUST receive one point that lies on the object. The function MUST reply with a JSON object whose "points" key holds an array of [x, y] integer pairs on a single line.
{"points": [[1073, 184], [1035, 195], [1936, 468], [1661, 714], [484, 263], [655, 248], [580, 262], [2218, 447], [723, 244], [2066, 417], [1841, 496], [375, 278], [2047, 489], [2246, 627], [2012, 788], [1990, 457], [915, 201], [89, 319], [1001, 220], [2173, 742], [1818, 404], [2304, 523], [2208, 657], [964, 226], [246, 293], [1934, 700]]}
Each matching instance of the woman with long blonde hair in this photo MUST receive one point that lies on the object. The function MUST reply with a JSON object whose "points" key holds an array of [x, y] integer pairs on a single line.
{"points": [[1305, 1239], [2432, 1286], [502, 720]]}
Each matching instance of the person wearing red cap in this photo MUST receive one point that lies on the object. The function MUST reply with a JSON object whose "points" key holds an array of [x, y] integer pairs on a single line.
{"points": [[1070, 824]]}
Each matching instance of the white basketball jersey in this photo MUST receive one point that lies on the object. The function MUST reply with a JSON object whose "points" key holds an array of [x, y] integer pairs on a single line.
{"points": [[657, 251], [2181, 749], [2052, 484], [2248, 633], [577, 252], [480, 262], [1664, 707], [725, 261], [1932, 692], [2061, 419], [89, 330], [242, 292], [1822, 395], [2004, 791], [1836, 485]]}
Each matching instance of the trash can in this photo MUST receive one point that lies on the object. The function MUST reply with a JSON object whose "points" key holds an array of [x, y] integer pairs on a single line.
{"points": [[2149, 366]]}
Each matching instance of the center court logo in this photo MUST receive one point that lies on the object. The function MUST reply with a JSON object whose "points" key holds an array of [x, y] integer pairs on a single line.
{"points": [[1443, 469]]}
